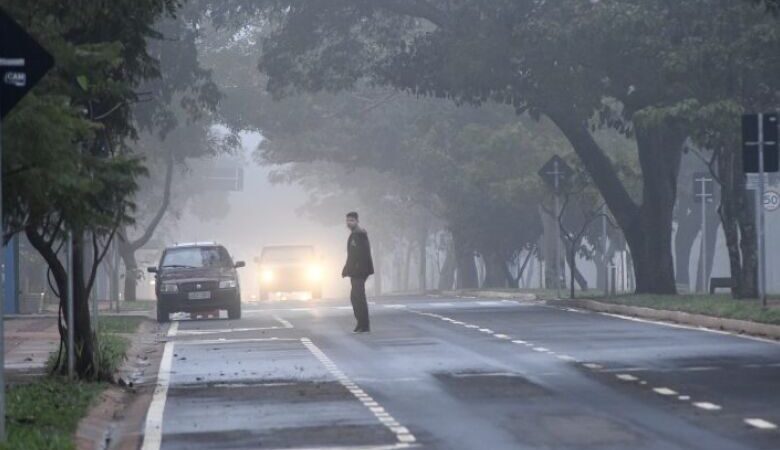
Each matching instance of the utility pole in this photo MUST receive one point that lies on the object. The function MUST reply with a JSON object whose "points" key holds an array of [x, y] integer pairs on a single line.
{"points": [[556, 173], [69, 305], [760, 155], [703, 185], [604, 248], [2, 288], [761, 218]]}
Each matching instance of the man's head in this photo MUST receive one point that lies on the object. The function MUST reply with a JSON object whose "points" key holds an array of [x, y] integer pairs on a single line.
{"points": [[352, 220]]}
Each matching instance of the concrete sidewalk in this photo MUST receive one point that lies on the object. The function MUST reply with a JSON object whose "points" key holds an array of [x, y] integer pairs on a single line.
{"points": [[28, 344]]}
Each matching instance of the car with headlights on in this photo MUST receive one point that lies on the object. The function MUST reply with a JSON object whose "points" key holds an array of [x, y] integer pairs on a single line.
{"points": [[196, 278], [289, 268]]}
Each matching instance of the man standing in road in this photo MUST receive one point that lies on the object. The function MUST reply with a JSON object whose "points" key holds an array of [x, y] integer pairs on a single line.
{"points": [[358, 268]]}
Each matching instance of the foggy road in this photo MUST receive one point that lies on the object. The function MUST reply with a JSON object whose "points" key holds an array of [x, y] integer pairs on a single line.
{"points": [[459, 373]]}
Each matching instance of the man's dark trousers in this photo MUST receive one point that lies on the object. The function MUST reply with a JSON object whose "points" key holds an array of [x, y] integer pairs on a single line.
{"points": [[359, 303]]}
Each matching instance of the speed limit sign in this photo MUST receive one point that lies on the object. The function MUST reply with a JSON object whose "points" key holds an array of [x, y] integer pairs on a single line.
{"points": [[771, 200]]}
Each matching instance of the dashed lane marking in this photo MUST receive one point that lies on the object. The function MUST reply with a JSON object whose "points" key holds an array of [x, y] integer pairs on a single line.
{"points": [[626, 377], [403, 435], [707, 406], [664, 391], [761, 424], [154, 417], [285, 323]]}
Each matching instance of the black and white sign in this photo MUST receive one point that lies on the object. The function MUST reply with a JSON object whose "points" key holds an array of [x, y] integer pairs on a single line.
{"points": [[556, 173], [23, 62], [771, 200], [750, 142], [703, 187]]}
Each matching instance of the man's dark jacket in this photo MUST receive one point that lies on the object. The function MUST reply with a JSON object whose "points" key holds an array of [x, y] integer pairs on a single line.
{"points": [[359, 263]]}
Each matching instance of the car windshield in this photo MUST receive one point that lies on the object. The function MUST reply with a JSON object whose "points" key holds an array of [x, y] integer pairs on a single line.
{"points": [[191, 257], [287, 254]]}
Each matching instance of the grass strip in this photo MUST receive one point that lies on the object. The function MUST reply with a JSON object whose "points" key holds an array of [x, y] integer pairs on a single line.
{"points": [[722, 306]]}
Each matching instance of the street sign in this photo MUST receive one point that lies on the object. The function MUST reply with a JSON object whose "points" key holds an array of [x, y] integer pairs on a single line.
{"points": [[751, 141], [23, 62], [703, 187], [556, 173], [771, 201]]}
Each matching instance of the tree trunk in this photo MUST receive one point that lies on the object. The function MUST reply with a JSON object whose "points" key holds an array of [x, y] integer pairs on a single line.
{"points": [[84, 344], [648, 228], [407, 265], [737, 213], [423, 258], [377, 270], [495, 268], [688, 224], [447, 275], [86, 361], [127, 252], [128, 248], [577, 275], [466, 269]]}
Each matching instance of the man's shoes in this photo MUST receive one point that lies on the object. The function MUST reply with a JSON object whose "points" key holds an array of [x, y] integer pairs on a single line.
{"points": [[357, 329], [362, 330]]}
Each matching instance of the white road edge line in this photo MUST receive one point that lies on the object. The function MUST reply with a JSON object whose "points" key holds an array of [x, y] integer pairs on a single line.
{"points": [[154, 416], [404, 436], [691, 328]]}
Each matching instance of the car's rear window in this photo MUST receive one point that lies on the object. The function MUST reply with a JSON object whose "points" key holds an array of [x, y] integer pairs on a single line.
{"points": [[287, 254], [187, 257]]}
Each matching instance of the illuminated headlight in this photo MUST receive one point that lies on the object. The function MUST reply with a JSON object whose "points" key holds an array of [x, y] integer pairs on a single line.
{"points": [[227, 284], [314, 273], [267, 275], [169, 288]]}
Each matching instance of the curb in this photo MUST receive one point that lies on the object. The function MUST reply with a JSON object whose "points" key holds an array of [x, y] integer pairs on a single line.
{"points": [[506, 295], [115, 420], [697, 320]]}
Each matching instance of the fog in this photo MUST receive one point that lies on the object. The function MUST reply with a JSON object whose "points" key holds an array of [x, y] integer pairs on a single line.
{"points": [[262, 213]]}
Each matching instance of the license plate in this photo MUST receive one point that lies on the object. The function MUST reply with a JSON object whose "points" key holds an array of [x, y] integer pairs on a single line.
{"points": [[200, 295]]}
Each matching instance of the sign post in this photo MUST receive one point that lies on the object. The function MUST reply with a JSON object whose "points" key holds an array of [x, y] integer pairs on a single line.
{"points": [[556, 174], [22, 64], [760, 155], [703, 185]]}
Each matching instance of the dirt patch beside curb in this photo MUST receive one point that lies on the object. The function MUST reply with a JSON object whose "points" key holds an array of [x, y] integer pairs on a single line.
{"points": [[697, 320]]}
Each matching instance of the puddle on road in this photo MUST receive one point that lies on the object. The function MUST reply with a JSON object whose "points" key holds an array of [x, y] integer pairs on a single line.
{"points": [[572, 431], [490, 385]]}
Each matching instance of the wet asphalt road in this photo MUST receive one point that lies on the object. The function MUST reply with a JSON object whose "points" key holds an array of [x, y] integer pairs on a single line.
{"points": [[441, 373]]}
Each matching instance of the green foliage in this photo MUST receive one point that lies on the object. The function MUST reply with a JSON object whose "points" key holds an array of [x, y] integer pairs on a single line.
{"points": [[43, 415], [111, 353], [120, 324]]}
